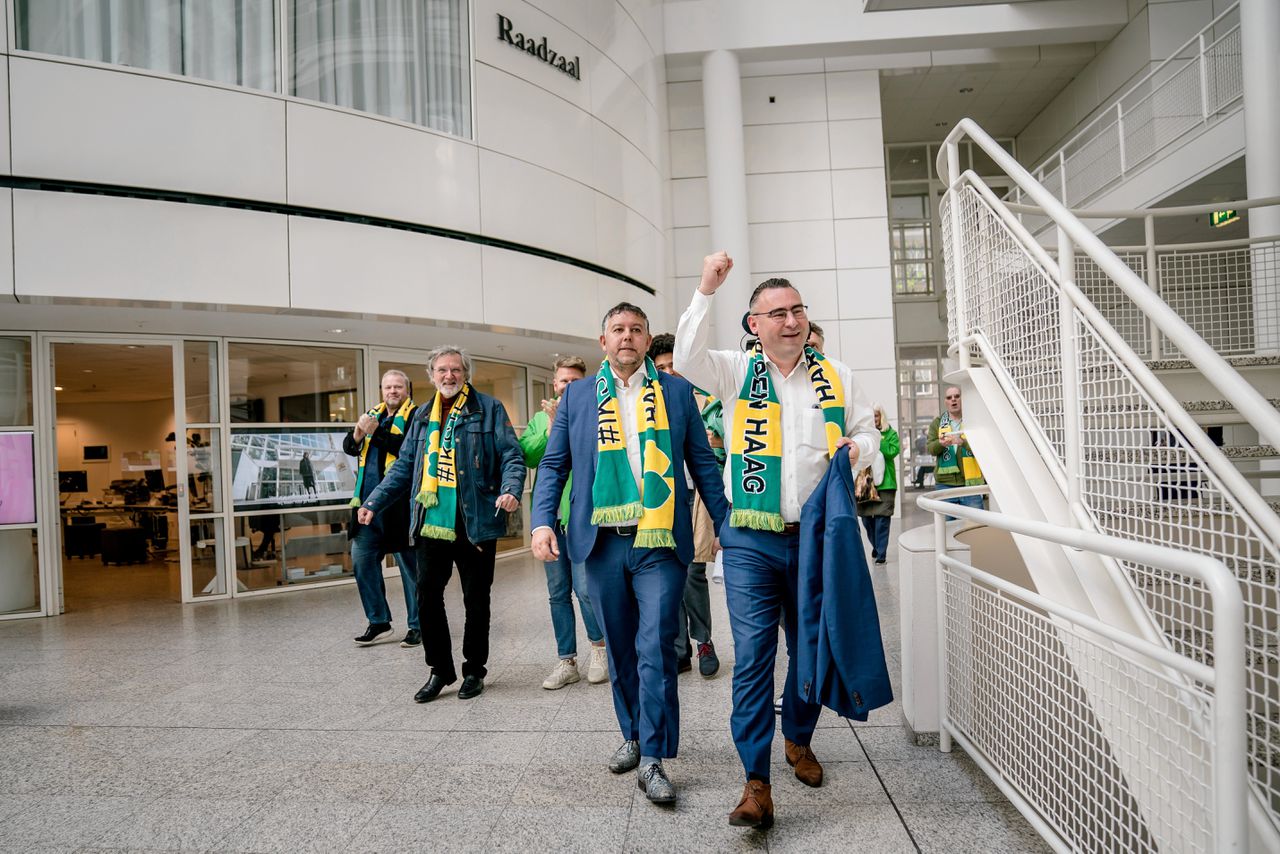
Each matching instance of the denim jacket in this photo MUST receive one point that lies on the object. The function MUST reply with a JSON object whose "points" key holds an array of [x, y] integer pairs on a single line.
{"points": [[490, 463]]}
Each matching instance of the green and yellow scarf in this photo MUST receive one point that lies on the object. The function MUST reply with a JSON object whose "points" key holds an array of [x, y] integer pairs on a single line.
{"points": [[397, 429], [439, 492], [949, 462], [614, 493], [755, 442]]}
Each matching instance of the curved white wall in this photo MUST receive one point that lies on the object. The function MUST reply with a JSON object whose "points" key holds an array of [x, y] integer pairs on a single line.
{"points": [[575, 167]]}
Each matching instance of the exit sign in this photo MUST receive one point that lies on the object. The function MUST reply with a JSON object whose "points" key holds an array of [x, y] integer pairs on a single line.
{"points": [[1220, 218]]}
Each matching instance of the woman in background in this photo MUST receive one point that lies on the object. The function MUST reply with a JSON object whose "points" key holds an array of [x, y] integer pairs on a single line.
{"points": [[877, 513]]}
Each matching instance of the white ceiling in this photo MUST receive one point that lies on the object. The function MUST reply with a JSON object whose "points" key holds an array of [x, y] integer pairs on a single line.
{"points": [[921, 104], [900, 5]]}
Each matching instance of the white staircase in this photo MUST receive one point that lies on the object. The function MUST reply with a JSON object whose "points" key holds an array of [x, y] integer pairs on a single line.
{"points": [[1074, 428]]}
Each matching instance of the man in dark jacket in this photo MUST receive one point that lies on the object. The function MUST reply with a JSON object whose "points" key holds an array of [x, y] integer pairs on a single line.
{"points": [[462, 470], [375, 442]]}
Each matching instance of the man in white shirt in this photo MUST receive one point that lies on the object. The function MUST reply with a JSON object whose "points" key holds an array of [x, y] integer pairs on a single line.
{"points": [[800, 390]]}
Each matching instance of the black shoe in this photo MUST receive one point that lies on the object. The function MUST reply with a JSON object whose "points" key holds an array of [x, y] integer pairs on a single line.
{"points": [[431, 689], [373, 634], [881, 561], [472, 686], [412, 638], [685, 664], [708, 661]]}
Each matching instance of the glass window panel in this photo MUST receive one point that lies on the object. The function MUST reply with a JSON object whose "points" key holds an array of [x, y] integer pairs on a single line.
{"points": [[507, 384], [296, 547], [408, 60], [419, 380], [231, 43], [285, 383], [200, 365], [19, 570], [204, 460], [206, 557], [908, 162], [15, 382], [907, 207]]}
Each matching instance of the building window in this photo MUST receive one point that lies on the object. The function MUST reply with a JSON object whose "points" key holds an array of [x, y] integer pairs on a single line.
{"points": [[919, 400], [405, 59], [232, 41], [911, 234]]}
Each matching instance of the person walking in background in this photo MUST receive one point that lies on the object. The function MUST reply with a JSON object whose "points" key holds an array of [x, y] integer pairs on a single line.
{"points": [[564, 576], [307, 471], [956, 465], [626, 433], [695, 607], [463, 467], [375, 441], [877, 514]]}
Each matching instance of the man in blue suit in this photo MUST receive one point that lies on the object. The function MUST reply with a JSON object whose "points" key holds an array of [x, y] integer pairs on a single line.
{"points": [[636, 584]]}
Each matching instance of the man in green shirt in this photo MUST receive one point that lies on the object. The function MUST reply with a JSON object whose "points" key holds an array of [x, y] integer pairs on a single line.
{"points": [[563, 576], [956, 466]]}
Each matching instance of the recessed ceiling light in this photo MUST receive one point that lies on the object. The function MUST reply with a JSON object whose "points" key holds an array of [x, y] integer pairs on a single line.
{"points": [[133, 346], [86, 370], [57, 388], [914, 160], [337, 330]]}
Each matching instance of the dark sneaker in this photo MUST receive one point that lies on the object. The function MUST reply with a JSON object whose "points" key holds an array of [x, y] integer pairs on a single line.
{"points": [[708, 662], [373, 634], [412, 638]]}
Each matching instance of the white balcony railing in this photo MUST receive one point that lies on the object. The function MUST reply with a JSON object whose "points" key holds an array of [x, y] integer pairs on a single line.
{"points": [[1131, 462], [1071, 717], [1198, 85]]}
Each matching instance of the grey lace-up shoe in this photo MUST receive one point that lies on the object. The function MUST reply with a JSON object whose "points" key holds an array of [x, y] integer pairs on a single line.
{"points": [[625, 758], [655, 785]]}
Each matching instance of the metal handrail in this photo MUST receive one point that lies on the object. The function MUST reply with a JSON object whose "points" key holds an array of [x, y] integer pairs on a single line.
{"points": [[1114, 113], [1141, 213], [1226, 675], [1234, 388]]}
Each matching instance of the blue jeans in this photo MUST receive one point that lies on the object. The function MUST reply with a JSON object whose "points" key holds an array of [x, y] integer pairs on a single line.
{"points": [[974, 501], [878, 533], [760, 571], [563, 577], [366, 560]]}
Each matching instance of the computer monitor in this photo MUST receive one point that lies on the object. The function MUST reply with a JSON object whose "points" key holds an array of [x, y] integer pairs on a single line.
{"points": [[73, 481], [154, 479]]}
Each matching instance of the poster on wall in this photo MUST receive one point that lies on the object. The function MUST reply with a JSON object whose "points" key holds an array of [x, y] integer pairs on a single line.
{"points": [[17, 479], [288, 468]]}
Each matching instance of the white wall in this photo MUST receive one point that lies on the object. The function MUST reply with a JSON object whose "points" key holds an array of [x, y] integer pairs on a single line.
{"points": [[1157, 28], [576, 167], [816, 204]]}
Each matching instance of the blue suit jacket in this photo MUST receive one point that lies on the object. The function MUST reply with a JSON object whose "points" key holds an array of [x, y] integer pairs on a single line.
{"points": [[571, 446], [839, 655]]}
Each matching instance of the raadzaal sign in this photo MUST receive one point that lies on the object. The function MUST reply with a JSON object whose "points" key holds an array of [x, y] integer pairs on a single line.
{"points": [[538, 49]]}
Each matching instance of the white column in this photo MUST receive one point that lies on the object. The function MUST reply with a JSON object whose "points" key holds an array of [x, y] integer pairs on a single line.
{"points": [[1259, 35], [727, 191]]}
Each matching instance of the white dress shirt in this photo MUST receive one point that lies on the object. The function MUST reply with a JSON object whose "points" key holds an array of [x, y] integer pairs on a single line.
{"points": [[804, 436]]}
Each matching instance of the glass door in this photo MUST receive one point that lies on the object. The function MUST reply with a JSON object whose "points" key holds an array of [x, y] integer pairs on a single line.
{"points": [[20, 466], [198, 449]]}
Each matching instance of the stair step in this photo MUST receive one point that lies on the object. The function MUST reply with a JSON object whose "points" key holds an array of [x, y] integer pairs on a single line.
{"points": [[1165, 456], [1197, 645], [1192, 406], [1234, 361]]}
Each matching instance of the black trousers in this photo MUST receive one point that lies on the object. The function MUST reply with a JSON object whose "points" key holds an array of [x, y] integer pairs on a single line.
{"points": [[436, 559]]}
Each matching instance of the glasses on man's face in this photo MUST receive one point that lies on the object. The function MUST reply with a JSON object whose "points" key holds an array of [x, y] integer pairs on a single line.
{"points": [[779, 315]]}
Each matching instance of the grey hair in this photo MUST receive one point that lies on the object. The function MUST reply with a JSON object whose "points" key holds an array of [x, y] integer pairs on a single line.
{"points": [[450, 350], [395, 372]]}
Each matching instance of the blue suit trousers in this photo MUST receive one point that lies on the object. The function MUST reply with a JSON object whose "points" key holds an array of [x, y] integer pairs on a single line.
{"points": [[637, 593], [760, 571]]}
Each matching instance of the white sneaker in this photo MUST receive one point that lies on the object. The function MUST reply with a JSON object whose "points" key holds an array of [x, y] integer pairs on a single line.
{"points": [[566, 673], [598, 670]]}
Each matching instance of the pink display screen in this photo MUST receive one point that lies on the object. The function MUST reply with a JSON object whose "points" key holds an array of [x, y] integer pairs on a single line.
{"points": [[17, 479]]}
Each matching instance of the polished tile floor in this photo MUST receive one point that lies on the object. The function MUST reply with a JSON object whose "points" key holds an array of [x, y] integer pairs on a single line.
{"points": [[256, 725]]}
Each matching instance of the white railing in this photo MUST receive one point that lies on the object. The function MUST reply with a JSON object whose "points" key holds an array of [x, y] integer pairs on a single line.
{"points": [[1195, 87], [1070, 716], [1226, 290], [1131, 462]]}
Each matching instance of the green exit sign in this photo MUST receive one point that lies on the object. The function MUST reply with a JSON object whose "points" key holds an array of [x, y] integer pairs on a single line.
{"points": [[1220, 218]]}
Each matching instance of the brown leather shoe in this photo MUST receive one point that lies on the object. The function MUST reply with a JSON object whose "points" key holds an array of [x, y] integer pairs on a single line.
{"points": [[756, 807], [808, 769]]}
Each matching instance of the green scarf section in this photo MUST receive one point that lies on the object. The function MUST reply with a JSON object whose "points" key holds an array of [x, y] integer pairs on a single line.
{"points": [[439, 492], [755, 441], [614, 492], [951, 462], [397, 429]]}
